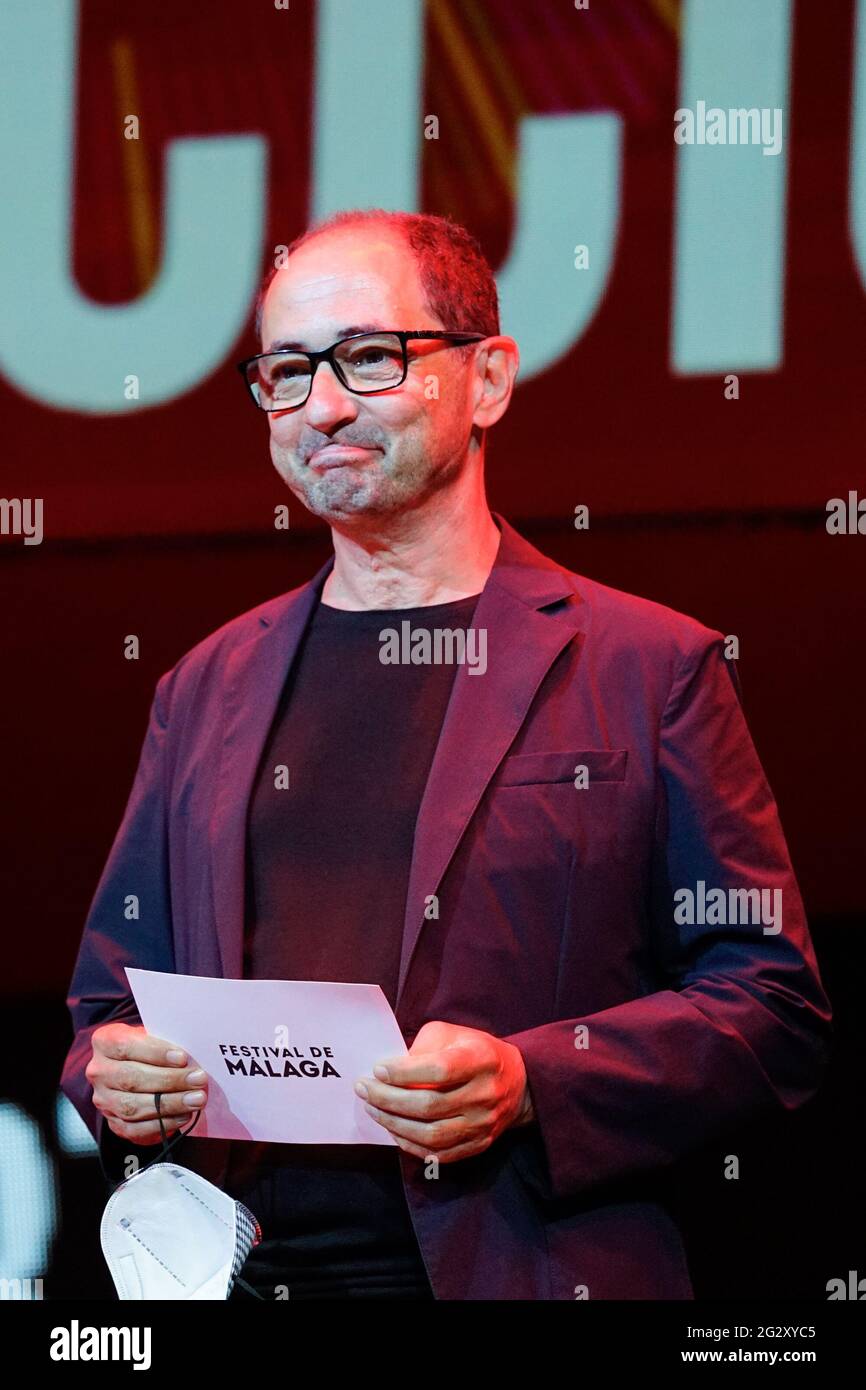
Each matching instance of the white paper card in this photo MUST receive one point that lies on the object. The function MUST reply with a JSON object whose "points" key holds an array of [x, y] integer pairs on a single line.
{"points": [[282, 1056]]}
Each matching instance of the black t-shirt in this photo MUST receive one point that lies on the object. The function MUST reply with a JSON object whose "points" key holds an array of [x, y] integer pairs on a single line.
{"points": [[327, 873]]}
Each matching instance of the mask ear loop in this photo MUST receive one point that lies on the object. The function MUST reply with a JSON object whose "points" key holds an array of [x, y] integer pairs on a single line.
{"points": [[111, 1182], [249, 1288], [168, 1144]]}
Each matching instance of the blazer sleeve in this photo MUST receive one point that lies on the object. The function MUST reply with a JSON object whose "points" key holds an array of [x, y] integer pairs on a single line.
{"points": [[99, 991], [742, 1025]]}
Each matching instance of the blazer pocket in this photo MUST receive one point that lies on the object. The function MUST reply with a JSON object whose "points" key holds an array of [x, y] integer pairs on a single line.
{"points": [[524, 769]]}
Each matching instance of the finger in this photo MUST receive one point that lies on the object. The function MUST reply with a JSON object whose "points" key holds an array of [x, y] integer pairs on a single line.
{"points": [[133, 1107], [469, 1150], [138, 1077], [147, 1132], [443, 1155], [414, 1149], [448, 1066], [417, 1104], [441, 1134], [124, 1044]]}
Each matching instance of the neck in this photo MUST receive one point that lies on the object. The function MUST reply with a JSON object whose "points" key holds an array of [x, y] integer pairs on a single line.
{"points": [[437, 553]]}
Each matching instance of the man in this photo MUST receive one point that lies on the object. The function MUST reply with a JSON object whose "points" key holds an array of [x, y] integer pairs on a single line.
{"points": [[561, 861]]}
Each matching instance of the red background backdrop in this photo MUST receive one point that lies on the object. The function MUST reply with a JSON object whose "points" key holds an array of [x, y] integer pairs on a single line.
{"points": [[160, 522]]}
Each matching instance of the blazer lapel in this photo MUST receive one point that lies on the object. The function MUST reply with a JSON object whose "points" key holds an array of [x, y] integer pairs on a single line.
{"points": [[255, 674], [483, 716], [486, 711]]}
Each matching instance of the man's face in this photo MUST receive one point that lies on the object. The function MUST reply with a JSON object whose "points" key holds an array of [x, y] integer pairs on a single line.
{"points": [[406, 443]]}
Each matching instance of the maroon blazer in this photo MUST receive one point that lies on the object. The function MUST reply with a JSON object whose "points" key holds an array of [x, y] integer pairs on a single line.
{"points": [[557, 909]]}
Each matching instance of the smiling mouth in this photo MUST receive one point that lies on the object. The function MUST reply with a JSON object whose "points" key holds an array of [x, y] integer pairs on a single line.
{"points": [[337, 455]]}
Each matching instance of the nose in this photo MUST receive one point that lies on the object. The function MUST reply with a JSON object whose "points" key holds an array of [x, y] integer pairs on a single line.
{"points": [[329, 403]]}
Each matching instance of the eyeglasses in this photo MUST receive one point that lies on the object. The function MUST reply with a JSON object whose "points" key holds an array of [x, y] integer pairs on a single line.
{"points": [[365, 363]]}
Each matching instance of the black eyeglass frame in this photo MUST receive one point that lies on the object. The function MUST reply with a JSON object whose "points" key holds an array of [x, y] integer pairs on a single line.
{"points": [[327, 355]]}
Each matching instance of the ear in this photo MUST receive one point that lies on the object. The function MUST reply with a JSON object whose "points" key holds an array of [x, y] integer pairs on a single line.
{"points": [[494, 371]]}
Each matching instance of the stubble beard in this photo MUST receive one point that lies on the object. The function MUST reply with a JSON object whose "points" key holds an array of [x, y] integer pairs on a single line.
{"points": [[367, 490]]}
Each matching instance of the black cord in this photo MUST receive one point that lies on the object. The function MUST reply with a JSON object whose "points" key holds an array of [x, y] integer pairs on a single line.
{"points": [[249, 1288], [168, 1144]]}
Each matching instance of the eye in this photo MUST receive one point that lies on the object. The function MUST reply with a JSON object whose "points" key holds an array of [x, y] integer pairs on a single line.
{"points": [[369, 355], [376, 361], [372, 354], [286, 369]]}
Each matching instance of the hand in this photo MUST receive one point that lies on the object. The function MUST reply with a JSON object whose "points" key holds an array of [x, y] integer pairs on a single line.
{"points": [[127, 1067], [452, 1094]]}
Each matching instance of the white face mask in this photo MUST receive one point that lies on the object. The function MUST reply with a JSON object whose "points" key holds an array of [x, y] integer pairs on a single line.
{"points": [[168, 1233]]}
